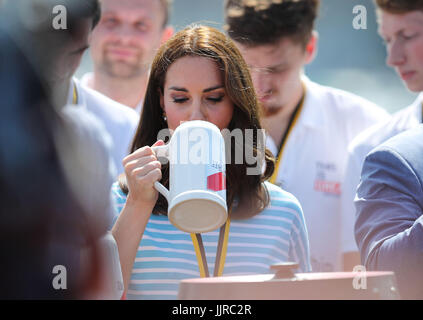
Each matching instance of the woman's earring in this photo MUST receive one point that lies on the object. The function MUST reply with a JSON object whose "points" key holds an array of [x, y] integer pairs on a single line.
{"points": [[164, 117]]}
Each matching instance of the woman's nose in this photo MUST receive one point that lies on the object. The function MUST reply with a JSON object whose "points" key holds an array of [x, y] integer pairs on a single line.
{"points": [[198, 113]]}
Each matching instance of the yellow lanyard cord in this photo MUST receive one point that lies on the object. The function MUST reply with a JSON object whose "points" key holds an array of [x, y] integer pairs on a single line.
{"points": [[288, 132], [199, 254], [222, 249], [220, 255], [75, 94]]}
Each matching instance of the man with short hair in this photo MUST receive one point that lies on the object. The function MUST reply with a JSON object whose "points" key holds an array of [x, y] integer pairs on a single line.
{"points": [[119, 121], [123, 46], [309, 126], [389, 200]]}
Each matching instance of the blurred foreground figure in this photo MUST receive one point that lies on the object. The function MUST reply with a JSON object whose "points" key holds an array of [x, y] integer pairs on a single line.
{"points": [[53, 236], [389, 200], [81, 17]]}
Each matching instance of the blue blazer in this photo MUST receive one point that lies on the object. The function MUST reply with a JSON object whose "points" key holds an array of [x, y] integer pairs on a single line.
{"points": [[389, 205]]}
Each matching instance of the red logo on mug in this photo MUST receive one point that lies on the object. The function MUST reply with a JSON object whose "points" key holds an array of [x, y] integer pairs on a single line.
{"points": [[216, 182]]}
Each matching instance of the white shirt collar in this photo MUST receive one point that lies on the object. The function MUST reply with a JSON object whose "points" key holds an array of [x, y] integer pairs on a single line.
{"points": [[417, 106], [312, 114], [87, 79]]}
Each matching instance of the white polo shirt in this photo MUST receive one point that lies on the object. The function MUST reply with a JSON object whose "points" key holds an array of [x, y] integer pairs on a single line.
{"points": [[87, 78], [313, 164], [119, 121], [402, 120]]}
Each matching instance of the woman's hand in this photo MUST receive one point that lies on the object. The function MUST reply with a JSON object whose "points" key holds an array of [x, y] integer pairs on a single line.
{"points": [[142, 170]]}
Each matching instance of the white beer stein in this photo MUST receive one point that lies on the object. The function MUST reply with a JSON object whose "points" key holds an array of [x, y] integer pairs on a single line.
{"points": [[197, 180]]}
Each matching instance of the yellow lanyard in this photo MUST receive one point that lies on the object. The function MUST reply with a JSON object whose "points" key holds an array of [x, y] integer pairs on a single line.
{"points": [[75, 94], [291, 125], [222, 248]]}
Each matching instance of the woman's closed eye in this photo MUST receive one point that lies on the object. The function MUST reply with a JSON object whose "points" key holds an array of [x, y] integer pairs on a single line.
{"points": [[216, 99], [179, 99], [212, 99]]}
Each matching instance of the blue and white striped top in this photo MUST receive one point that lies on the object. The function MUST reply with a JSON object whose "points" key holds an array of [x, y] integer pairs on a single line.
{"points": [[166, 255]]}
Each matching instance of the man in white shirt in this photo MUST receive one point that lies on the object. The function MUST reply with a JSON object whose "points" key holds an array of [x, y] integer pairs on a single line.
{"points": [[402, 31], [309, 126], [119, 121], [123, 46]]}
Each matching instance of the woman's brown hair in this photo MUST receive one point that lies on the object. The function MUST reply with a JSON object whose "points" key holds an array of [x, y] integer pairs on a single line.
{"points": [[208, 42]]}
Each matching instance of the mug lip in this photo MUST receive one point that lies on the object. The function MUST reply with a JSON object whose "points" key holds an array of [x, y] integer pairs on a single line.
{"points": [[203, 195], [197, 123], [198, 194]]}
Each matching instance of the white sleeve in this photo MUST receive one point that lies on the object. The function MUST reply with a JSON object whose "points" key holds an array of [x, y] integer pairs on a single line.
{"points": [[351, 181]]}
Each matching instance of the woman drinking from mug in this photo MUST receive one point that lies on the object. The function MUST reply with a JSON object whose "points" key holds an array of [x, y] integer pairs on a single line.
{"points": [[200, 75]]}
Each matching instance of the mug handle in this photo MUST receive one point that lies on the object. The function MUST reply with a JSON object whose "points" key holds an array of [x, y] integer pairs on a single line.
{"points": [[162, 151]]}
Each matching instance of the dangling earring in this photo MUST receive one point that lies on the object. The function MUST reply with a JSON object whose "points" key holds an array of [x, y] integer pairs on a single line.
{"points": [[164, 116]]}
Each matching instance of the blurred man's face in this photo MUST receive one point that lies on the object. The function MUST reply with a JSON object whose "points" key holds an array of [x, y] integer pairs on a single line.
{"points": [[276, 71], [126, 39], [70, 55], [403, 34]]}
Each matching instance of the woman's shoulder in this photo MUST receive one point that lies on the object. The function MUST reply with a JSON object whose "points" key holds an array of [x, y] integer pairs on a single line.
{"points": [[280, 197]]}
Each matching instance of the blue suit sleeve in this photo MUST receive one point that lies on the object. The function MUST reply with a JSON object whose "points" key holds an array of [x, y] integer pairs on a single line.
{"points": [[389, 221]]}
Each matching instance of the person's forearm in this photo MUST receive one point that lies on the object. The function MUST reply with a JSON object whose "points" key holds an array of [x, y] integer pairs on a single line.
{"points": [[128, 231], [404, 247], [403, 254]]}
